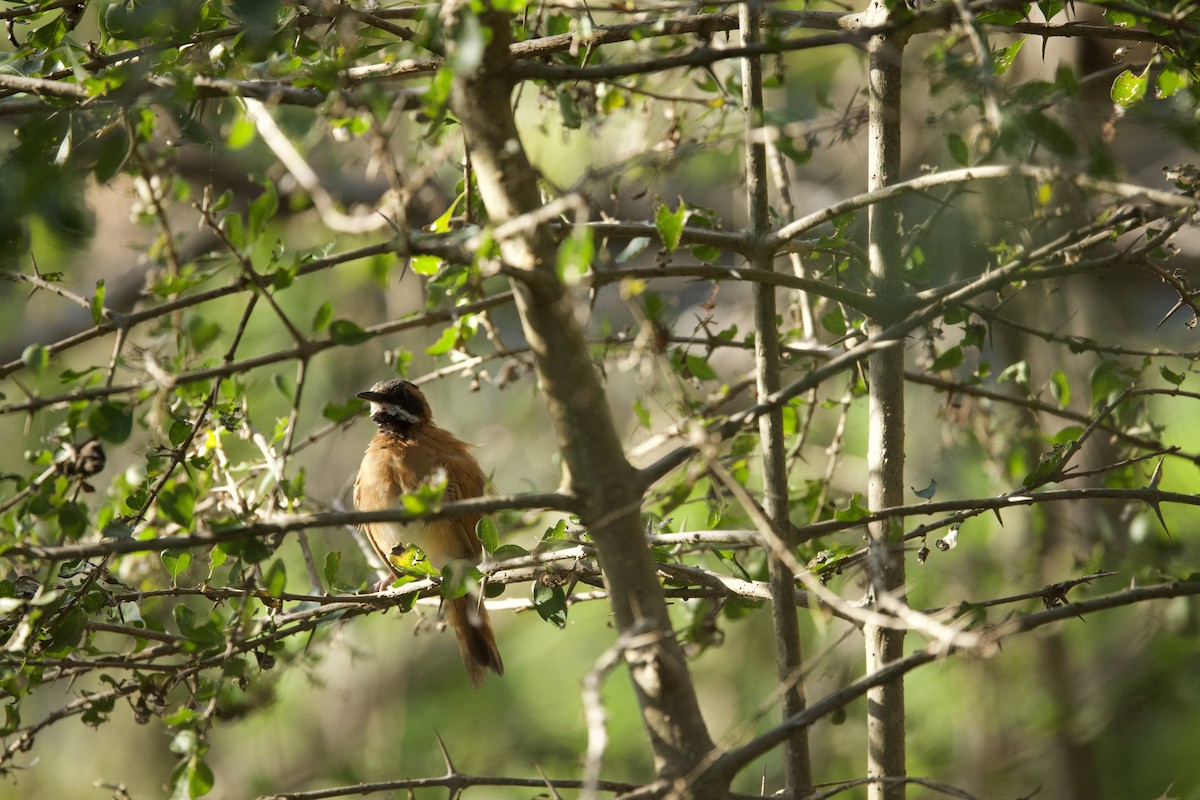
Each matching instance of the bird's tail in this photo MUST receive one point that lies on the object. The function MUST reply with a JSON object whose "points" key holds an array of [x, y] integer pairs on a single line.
{"points": [[475, 637]]}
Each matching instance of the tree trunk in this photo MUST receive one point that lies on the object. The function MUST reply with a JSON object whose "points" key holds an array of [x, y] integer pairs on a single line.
{"points": [[885, 453], [788, 654], [604, 484]]}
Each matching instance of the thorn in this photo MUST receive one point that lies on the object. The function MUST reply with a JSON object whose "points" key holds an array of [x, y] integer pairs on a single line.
{"points": [[1157, 476], [1154, 481], [553, 791], [1170, 313], [996, 511], [1158, 513], [450, 769], [395, 226]]}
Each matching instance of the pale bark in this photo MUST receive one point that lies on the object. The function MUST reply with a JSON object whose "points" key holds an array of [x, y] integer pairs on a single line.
{"points": [[788, 653], [885, 449], [606, 490]]}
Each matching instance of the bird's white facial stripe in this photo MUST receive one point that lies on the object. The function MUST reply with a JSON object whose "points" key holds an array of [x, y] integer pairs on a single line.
{"points": [[393, 411]]}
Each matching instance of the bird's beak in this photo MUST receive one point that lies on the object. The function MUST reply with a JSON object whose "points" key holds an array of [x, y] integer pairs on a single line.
{"points": [[370, 397]]}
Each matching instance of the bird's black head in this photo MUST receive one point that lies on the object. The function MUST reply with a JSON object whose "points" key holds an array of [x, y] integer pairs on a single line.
{"points": [[397, 405]]}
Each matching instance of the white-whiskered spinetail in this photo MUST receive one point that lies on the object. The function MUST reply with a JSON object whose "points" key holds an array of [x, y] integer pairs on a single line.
{"points": [[409, 450]]}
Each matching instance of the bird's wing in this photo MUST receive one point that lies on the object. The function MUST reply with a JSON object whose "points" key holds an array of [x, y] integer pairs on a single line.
{"points": [[455, 537]]}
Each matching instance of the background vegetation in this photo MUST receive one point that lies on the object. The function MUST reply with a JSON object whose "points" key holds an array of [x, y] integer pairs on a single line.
{"points": [[832, 349]]}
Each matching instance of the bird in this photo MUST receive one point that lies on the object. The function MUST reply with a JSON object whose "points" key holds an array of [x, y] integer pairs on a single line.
{"points": [[407, 451]]}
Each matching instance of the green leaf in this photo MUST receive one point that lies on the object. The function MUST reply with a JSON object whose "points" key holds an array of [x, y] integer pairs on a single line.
{"points": [[223, 201], [575, 255], [445, 343], [506, 551], [488, 535], [178, 504], [635, 247], [437, 95], [458, 577], [200, 632], [699, 368], [67, 632], [73, 520], [830, 560], [1001, 16], [670, 224], [340, 413], [1173, 378], [834, 321], [323, 317], [234, 229], [176, 561], [275, 580], [551, 604], [343, 331], [241, 132], [1018, 373], [36, 358], [572, 117], [956, 315], [1051, 134], [928, 492], [178, 432], [429, 265], [958, 149], [787, 146], [1004, 57], [112, 150], [642, 413], [1047, 467], [426, 265], [216, 559], [469, 42], [948, 359], [1051, 8], [110, 422], [1105, 382], [1060, 388], [1067, 436], [263, 208], [426, 497], [654, 306], [250, 550], [1122, 18], [202, 332], [192, 778], [558, 533], [293, 487], [1169, 82], [97, 304], [70, 375], [1128, 89], [201, 780], [855, 511], [116, 530], [333, 560]]}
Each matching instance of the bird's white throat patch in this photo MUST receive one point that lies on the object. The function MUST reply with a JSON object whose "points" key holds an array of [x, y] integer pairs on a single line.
{"points": [[393, 411]]}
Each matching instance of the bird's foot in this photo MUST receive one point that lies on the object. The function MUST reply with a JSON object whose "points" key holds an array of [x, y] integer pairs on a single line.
{"points": [[383, 585]]}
